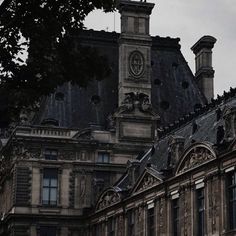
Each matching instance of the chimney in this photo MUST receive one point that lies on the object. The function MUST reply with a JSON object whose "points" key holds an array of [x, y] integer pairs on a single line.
{"points": [[203, 62]]}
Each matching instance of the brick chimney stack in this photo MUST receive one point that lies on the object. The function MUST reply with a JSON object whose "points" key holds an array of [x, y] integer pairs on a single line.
{"points": [[203, 61]]}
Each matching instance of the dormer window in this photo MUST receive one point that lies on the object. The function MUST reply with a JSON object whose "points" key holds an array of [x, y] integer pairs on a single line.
{"points": [[50, 154], [231, 200]]}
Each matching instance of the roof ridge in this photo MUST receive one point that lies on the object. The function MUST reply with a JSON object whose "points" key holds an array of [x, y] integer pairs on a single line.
{"points": [[201, 109]]}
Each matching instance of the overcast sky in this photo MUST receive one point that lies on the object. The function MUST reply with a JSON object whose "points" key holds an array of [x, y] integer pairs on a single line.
{"points": [[190, 20]]}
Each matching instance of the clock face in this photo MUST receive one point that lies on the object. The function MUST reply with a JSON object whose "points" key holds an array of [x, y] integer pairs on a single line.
{"points": [[136, 63]]}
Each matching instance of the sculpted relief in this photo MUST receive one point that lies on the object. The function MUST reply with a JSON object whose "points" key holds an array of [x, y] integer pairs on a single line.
{"points": [[110, 197], [195, 157], [136, 100], [146, 182], [136, 64]]}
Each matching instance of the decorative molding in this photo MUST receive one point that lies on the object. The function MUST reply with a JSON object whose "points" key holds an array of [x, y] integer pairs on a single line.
{"points": [[136, 64], [147, 181], [138, 101], [195, 156], [108, 198]]}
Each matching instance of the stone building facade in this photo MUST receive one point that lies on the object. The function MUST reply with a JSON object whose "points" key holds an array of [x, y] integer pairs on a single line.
{"points": [[133, 154], [185, 184]]}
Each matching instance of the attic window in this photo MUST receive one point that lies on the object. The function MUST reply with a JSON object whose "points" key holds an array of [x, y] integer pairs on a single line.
{"points": [[185, 84], [59, 96], [95, 99], [165, 105], [157, 82]]}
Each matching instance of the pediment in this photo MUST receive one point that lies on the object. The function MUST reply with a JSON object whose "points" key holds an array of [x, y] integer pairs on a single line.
{"points": [[110, 197], [196, 155], [149, 179]]}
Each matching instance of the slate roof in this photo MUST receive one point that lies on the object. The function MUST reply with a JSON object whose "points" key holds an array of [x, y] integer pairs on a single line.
{"points": [[207, 121], [174, 91]]}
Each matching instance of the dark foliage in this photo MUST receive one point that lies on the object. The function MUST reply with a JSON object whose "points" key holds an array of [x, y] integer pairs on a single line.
{"points": [[45, 28]]}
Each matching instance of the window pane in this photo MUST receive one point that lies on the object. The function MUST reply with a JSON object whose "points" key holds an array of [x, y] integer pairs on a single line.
{"points": [[46, 194], [130, 223], [232, 200], [106, 158], [46, 182], [50, 154], [175, 216], [150, 222], [200, 212], [100, 158], [50, 182], [103, 157], [111, 226], [53, 182], [48, 231], [53, 194], [50, 173]]}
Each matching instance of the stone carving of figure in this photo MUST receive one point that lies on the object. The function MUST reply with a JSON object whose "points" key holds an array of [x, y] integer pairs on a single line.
{"points": [[145, 106], [82, 188], [129, 101], [197, 157], [24, 119], [111, 122]]}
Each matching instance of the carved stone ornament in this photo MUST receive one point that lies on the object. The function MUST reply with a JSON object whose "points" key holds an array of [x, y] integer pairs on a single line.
{"points": [[147, 182], [20, 151], [66, 155], [136, 64], [110, 197], [136, 100], [4, 167], [195, 157]]}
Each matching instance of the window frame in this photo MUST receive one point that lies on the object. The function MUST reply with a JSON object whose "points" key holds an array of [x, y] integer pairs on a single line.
{"points": [[50, 154], [111, 226], [231, 203], [101, 155], [130, 231], [49, 187], [175, 217], [46, 228], [150, 218], [200, 211]]}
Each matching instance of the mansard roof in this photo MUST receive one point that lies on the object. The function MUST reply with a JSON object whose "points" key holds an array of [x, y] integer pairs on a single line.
{"points": [[199, 130], [174, 90]]}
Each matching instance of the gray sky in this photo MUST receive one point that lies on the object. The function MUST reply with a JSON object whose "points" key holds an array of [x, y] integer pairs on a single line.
{"points": [[190, 20]]}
